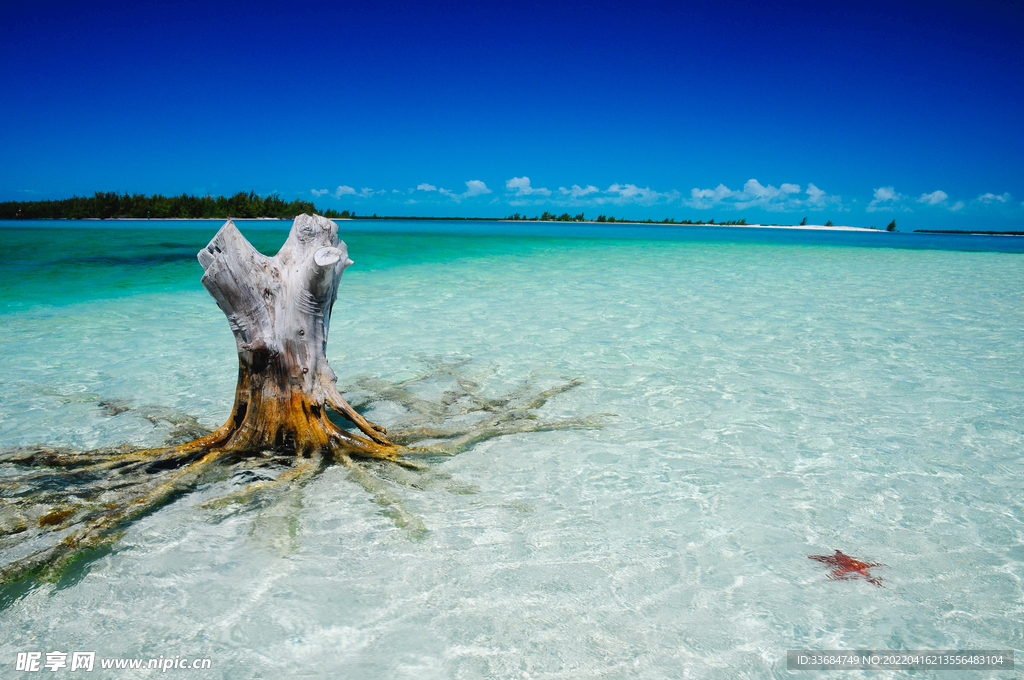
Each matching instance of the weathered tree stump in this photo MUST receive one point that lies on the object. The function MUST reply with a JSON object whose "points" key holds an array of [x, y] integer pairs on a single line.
{"points": [[279, 309]]}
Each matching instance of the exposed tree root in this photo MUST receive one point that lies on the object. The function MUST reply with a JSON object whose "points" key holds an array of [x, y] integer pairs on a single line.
{"points": [[58, 505]]}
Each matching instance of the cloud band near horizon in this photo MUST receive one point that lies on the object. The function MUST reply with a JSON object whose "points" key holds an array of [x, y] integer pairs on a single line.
{"points": [[787, 197]]}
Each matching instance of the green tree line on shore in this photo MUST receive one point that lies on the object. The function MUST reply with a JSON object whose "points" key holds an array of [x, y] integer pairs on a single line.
{"points": [[565, 217], [672, 220], [110, 204]]}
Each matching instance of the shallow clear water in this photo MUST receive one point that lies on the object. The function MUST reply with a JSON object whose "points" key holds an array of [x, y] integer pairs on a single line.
{"points": [[765, 396]]}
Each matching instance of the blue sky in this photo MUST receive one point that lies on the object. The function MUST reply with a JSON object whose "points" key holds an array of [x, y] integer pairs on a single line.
{"points": [[859, 113]]}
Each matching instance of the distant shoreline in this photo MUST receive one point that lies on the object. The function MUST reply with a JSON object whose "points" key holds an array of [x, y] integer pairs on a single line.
{"points": [[254, 208], [111, 205], [819, 227], [968, 232]]}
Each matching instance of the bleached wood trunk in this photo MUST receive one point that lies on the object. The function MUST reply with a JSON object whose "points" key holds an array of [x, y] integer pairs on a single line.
{"points": [[279, 309]]}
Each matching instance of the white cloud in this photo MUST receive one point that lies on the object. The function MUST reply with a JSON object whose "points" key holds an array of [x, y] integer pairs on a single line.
{"points": [[578, 192], [756, 195], [704, 198], [620, 194], [426, 187], [337, 193], [816, 198], [888, 199], [521, 185], [886, 195], [933, 198], [627, 191], [993, 198], [474, 187], [589, 195], [941, 198]]}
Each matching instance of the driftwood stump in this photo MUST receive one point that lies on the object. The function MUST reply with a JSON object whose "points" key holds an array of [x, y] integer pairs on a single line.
{"points": [[279, 309]]}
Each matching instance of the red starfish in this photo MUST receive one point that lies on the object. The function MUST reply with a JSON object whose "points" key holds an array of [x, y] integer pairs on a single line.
{"points": [[847, 567]]}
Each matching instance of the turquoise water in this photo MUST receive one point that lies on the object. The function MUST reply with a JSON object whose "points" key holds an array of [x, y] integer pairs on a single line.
{"points": [[766, 395]]}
